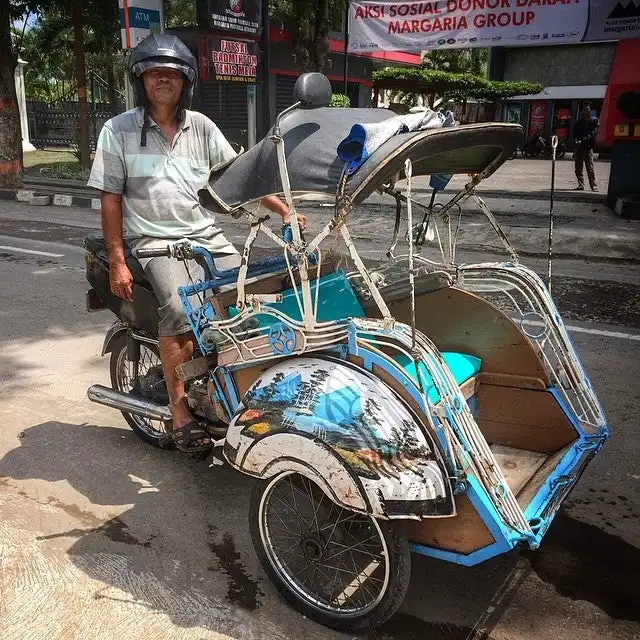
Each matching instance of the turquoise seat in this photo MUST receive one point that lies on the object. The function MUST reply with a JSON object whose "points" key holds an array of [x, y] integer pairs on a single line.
{"points": [[461, 365], [336, 301]]}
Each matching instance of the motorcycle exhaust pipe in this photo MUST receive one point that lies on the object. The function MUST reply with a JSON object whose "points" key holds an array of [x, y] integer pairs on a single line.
{"points": [[128, 403]]}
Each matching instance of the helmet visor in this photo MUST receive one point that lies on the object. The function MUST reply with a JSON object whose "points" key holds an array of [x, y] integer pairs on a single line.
{"points": [[140, 67]]}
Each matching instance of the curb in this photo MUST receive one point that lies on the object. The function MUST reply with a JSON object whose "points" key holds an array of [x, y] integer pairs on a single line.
{"points": [[43, 198]]}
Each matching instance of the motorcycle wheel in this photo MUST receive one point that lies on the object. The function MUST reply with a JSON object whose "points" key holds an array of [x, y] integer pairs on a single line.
{"points": [[348, 571], [154, 432]]}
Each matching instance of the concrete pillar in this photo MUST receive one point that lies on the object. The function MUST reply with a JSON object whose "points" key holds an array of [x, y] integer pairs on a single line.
{"points": [[496, 63], [22, 105]]}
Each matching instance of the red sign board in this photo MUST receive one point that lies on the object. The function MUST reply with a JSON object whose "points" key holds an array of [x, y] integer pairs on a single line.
{"points": [[233, 60], [537, 116]]}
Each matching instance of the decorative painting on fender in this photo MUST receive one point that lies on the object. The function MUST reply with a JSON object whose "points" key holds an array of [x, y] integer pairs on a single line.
{"points": [[354, 415]]}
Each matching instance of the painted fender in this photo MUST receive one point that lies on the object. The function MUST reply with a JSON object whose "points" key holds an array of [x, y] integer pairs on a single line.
{"points": [[345, 429]]}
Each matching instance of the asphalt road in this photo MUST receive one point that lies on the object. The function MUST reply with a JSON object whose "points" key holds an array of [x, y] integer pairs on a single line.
{"points": [[102, 536]]}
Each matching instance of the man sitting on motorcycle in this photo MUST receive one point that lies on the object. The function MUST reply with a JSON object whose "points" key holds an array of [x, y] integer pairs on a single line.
{"points": [[149, 164]]}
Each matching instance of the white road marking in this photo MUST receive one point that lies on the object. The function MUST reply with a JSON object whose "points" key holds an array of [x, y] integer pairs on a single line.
{"points": [[33, 251], [594, 332], [604, 332]]}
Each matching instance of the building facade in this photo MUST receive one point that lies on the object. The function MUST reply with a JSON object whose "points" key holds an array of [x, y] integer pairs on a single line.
{"points": [[594, 71]]}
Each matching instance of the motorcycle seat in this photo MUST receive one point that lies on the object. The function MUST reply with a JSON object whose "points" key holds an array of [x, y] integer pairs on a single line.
{"points": [[96, 245]]}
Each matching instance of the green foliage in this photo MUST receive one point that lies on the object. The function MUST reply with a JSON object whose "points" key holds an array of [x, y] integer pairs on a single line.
{"points": [[422, 80], [179, 13], [51, 78], [340, 100], [628, 104], [473, 61], [282, 13], [494, 90], [456, 86]]}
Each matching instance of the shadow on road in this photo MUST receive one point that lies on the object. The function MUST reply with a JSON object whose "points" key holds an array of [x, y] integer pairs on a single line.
{"points": [[181, 546]]}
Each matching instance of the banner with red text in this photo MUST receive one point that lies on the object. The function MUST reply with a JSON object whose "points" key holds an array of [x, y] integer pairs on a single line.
{"points": [[391, 25], [233, 60]]}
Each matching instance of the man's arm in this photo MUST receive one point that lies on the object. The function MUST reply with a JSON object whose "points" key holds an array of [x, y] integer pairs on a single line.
{"points": [[590, 138], [276, 205], [120, 278], [108, 175]]}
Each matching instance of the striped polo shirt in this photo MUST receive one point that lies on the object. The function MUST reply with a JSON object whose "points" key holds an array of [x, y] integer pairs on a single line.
{"points": [[159, 183]]}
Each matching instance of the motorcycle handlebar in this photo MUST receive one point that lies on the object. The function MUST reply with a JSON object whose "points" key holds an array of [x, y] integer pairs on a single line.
{"points": [[153, 253]]}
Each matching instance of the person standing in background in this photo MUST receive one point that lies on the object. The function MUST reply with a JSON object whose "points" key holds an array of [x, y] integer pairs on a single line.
{"points": [[585, 139]]}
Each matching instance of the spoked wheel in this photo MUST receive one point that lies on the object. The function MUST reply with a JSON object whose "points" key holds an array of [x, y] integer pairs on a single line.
{"points": [[150, 383], [342, 569]]}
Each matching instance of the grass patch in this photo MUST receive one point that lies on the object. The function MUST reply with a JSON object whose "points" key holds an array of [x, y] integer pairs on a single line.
{"points": [[61, 164]]}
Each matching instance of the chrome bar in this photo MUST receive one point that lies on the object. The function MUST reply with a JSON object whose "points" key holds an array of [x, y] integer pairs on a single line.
{"points": [[128, 403]]}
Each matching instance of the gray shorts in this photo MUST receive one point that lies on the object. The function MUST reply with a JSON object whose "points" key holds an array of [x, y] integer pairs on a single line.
{"points": [[167, 274]]}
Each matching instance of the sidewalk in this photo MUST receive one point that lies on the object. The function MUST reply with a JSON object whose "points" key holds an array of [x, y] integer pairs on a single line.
{"points": [[531, 178]]}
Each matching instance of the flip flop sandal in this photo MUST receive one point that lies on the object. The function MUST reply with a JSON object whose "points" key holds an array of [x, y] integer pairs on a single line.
{"points": [[190, 433]]}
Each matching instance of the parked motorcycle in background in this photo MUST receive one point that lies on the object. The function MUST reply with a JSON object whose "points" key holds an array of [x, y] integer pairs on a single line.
{"points": [[539, 146]]}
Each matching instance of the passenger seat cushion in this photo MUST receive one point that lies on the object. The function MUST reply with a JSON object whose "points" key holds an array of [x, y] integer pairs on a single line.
{"points": [[461, 365], [336, 301]]}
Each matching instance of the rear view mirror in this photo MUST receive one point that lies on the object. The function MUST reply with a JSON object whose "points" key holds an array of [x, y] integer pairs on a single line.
{"points": [[312, 91]]}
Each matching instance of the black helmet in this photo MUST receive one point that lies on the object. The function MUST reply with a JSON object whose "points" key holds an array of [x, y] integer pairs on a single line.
{"points": [[163, 50]]}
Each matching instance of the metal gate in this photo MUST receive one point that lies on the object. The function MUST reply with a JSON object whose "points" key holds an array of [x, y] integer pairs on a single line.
{"points": [[55, 124], [226, 104]]}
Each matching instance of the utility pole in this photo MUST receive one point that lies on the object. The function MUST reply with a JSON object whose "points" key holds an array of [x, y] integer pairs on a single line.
{"points": [[266, 65], [346, 46]]}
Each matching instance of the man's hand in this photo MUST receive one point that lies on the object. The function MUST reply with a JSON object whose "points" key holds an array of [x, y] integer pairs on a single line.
{"points": [[302, 220], [121, 280]]}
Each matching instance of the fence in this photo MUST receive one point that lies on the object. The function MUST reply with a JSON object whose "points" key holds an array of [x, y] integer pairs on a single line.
{"points": [[56, 124]]}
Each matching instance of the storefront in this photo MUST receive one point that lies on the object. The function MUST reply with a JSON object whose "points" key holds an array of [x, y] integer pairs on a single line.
{"points": [[570, 75], [554, 111]]}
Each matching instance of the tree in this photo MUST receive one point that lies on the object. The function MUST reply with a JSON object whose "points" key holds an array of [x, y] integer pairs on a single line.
{"points": [[309, 22], [81, 79], [447, 85], [473, 61], [10, 134], [179, 13], [52, 78]]}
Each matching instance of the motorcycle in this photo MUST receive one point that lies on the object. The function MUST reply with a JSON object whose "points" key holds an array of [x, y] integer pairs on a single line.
{"points": [[539, 146], [418, 406]]}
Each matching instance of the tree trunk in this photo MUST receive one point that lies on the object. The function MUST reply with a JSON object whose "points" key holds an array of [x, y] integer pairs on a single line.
{"points": [[302, 37], [321, 35], [10, 133], [81, 80]]}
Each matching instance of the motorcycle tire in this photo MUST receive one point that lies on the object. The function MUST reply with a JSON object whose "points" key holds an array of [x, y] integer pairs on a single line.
{"points": [[153, 432], [389, 579]]}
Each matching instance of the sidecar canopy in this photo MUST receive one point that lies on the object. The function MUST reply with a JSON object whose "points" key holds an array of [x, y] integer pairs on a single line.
{"points": [[311, 138]]}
